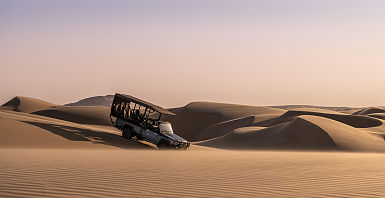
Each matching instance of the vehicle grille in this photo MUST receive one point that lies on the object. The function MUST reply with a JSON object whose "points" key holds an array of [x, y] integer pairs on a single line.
{"points": [[184, 144]]}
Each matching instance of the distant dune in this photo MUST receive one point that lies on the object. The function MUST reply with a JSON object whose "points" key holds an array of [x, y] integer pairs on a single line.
{"points": [[369, 110], [104, 101], [26, 104], [207, 124], [337, 109]]}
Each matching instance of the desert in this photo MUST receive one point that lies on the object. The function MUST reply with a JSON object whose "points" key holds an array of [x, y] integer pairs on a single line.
{"points": [[237, 151], [192, 98]]}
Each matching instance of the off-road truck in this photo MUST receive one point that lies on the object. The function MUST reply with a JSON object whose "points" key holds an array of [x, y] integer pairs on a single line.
{"points": [[141, 120]]}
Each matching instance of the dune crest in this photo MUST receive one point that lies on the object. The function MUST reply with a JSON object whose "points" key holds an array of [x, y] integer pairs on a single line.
{"points": [[27, 105], [104, 101], [369, 110]]}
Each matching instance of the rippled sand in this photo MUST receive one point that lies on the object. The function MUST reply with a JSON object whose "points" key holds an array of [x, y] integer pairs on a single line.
{"points": [[125, 173]]}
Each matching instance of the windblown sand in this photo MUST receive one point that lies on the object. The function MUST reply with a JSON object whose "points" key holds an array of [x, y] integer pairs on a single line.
{"points": [[125, 173], [237, 151]]}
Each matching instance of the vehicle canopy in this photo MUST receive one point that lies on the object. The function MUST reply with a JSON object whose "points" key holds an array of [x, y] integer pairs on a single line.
{"points": [[136, 110]]}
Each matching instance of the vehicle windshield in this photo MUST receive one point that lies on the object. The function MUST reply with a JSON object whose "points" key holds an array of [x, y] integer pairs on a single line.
{"points": [[165, 128]]}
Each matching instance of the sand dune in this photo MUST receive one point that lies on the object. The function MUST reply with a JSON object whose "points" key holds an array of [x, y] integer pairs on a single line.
{"points": [[79, 114], [195, 117], [347, 137], [304, 130], [34, 123], [348, 110], [49, 150], [297, 134], [22, 130], [26, 104]]}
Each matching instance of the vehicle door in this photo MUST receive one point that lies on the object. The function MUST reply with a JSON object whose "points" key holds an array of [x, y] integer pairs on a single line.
{"points": [[150, 136]]}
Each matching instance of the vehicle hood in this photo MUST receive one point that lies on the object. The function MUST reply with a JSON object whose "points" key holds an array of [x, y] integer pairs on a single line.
{"points": [[175, 137]]}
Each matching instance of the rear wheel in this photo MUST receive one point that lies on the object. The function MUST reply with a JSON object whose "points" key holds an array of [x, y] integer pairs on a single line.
{"points": [[127, 133]]}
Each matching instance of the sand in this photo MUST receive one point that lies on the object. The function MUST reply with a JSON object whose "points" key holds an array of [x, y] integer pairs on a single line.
{"points": [[127, 173], [237, 151]]}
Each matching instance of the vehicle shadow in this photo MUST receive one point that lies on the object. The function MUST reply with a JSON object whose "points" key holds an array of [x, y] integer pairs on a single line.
{"points": [[96, 137]]}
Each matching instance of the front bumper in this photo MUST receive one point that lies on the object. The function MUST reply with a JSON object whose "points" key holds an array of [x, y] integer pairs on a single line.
{"points": [[183, 145]]}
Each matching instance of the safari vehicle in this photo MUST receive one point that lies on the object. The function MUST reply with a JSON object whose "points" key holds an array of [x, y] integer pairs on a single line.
{"points": [[141, 120]]}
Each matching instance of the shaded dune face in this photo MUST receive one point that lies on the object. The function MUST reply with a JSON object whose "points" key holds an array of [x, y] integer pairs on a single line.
{"points": [[23, 130], [81, 115]]}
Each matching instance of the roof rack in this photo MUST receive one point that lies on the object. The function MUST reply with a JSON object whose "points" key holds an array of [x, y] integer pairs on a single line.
{"points": [[143, 103]]}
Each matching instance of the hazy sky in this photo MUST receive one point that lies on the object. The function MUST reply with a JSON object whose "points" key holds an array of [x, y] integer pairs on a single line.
{"points": [[266, 52]]}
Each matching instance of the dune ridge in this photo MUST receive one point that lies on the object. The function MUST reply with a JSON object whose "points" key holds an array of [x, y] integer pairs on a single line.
{"points": [[26, 104], [104, 101], [377, 115], [370, 110]]}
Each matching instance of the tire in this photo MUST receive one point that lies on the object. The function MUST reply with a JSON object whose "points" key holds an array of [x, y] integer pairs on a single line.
{"points": [[163, 145], [127, 133]]}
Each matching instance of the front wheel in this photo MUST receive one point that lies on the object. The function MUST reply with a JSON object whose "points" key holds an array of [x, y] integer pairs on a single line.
{"points": [[162, 145], [127, 133]]}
